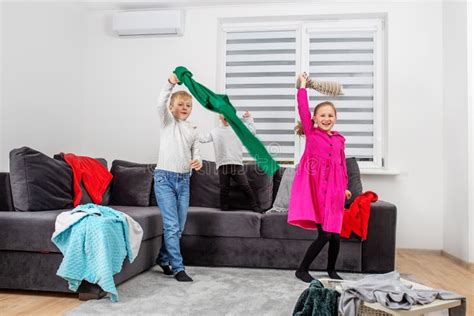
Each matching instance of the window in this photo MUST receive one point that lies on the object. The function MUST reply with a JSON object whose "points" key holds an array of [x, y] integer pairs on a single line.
{"points": [[260, 78], [260, 65]]}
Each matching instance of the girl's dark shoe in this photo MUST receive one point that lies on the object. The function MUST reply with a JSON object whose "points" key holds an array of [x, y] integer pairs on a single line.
{"points": [[304, 276], [333, 275]]}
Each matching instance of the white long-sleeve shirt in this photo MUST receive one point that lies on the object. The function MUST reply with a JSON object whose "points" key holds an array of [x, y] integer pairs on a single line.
{"points": [[227, 146], [179, 141]]}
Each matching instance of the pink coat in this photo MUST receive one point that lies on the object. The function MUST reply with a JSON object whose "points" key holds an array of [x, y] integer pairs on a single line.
{"points": [[318, 191]]}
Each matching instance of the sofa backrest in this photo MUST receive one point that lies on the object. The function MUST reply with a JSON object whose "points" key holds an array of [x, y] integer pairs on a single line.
{"points": [[205, 189], [6, 199], [353, 175], [132, 184]]}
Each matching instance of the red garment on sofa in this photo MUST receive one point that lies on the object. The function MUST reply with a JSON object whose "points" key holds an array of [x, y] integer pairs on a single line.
{"points": [[93, 175], [356, 218]]}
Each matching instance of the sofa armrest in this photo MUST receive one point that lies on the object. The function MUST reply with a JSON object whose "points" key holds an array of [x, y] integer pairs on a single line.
{"points": [[378, 250], [6, 199]]}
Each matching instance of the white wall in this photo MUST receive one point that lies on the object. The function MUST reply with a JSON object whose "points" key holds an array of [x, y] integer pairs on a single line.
{"points": [[1, 95], [414, 125], [470, 89], [42, 77], [123, 78], [455, 121]]}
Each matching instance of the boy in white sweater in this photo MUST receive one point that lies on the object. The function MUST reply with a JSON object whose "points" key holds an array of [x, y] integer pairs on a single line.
{"points": [[229, 159], [178, 155]]}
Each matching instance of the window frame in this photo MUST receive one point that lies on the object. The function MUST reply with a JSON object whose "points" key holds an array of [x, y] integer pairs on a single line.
{"points": [[303, 27]]}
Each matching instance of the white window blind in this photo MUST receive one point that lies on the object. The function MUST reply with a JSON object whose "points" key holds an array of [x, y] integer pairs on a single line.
{"points": [[261, 64], [260, 72], [348, 58]]}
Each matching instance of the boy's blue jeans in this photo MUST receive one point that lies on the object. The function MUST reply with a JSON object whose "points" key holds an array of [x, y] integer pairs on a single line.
{"points": [[172, 195]]}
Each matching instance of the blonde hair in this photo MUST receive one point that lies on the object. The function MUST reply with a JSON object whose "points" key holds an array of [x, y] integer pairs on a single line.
{"points": [[180, 94], [299, 127], [222, 120]]}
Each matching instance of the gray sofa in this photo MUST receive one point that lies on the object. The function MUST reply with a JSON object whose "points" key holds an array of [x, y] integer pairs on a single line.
{"points": [[238, 238]]}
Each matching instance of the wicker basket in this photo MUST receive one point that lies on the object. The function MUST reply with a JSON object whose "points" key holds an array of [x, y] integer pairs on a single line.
{"points": [[363, 310]]}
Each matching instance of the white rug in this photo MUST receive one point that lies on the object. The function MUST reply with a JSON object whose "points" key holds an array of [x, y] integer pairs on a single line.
{"points": [[215, 291]]}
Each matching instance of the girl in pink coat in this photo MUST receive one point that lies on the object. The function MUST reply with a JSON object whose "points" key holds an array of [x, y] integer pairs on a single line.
{"points": [[319, 187]]}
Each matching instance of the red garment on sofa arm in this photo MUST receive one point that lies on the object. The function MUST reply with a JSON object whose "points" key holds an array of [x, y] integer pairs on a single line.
{"points": [[93, 175], [356, 218]]}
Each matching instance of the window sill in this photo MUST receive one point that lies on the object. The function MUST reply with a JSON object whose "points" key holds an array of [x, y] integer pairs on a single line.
{"points": [[379, 172]]}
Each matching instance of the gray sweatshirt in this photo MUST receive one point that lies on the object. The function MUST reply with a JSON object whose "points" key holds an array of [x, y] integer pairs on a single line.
{"points": [[179, 141], [389, 291], [227, 146]]}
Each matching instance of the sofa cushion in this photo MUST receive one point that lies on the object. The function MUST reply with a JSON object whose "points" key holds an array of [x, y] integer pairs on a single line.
{"points": [[39, 182], [123, 163], [106, 197], [261, 184], [354, 182], [85, 199], [282, 199], [204, 186], [277, 177], [205, 191], [212, 222], [131, 186], [149, 219], [265, 253], [32, 231], [275, 225]]}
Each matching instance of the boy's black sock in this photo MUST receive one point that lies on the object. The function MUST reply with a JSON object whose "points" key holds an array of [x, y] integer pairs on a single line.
{"points": [[166, 270], [181, 276], [304, 276]]}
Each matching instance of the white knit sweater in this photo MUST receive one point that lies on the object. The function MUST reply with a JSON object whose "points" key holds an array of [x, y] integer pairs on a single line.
{"points": [[227, 146], [179, 141]]}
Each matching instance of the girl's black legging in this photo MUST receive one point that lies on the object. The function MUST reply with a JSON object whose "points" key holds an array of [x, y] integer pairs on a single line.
{"points": [[315, 248]]}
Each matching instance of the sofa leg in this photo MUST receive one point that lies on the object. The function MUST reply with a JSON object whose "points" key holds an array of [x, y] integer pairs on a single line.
{"points": [[88, 291]]}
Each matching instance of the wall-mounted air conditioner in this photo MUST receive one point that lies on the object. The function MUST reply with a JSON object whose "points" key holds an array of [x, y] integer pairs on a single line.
{"points": [[136, 23]]}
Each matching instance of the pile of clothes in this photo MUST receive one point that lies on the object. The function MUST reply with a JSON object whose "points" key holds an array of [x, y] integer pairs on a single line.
{"points": [[95, 240], [386, 289]]}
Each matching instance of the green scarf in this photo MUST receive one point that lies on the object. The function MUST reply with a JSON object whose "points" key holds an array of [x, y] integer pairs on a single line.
{"points": [[220, 103]]}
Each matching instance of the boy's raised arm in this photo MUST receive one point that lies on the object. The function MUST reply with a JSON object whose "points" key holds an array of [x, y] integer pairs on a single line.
{"points": [[162, 105]]}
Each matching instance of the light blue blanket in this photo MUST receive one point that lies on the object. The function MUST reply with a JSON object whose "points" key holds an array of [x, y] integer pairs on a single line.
{"points": [[94, 247]]}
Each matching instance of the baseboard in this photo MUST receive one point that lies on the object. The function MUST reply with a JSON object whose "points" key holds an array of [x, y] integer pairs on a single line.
{"points": [[430, 251], [468, 265]]}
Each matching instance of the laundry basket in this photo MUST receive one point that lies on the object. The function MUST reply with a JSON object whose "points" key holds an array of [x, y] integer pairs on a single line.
{"points": [[363, 310]]}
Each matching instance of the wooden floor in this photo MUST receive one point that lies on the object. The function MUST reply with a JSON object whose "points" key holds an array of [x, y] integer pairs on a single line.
{"points": [[429, 268], [437, 271]]}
